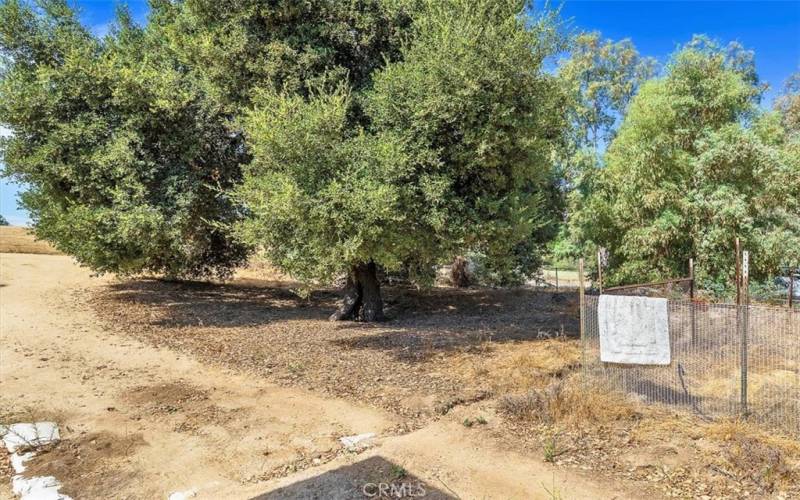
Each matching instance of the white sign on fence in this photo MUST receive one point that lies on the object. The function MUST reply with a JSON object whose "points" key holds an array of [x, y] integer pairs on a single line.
{"points": [[633, 330]]}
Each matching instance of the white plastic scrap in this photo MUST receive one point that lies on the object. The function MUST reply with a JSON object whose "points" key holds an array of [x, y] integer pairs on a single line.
{"points": [[16, 436], [31, 436], [356, 442], [18, 461], [37, 488], [182, 495]]}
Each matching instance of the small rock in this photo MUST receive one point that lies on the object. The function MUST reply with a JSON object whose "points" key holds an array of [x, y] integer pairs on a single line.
{"points": [[37, 487], [18, 461], [359, 441], [182, 495]]}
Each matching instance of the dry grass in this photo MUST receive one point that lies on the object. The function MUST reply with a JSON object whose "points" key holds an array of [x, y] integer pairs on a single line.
{"points": [[594, 428], [569, 402], [259, 270], [15, 239], [754, 456], [566, 278], [518, 366]]}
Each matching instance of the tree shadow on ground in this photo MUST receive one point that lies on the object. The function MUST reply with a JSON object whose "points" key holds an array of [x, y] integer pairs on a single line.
{"points": [[458, 320], [374, 477], [398, 364], [422, 323], [175, 304]]}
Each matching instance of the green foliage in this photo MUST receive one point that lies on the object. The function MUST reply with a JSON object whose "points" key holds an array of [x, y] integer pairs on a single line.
{"points": [[788, 104], [286, 46], [446, 149], [3, 221], [694, 166], [127, 158], [600, 78]]}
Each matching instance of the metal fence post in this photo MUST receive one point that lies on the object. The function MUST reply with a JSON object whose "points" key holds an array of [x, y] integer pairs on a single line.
{"points": [[600, 271], [691, 299], [738, 274], [582, 301], [745, 312]]}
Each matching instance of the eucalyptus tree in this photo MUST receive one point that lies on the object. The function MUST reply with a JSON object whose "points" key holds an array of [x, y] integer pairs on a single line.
{"points": [[694, 165], [600, 77]]}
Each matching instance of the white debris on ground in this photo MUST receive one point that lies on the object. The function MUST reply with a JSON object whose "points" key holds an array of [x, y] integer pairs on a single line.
{"points": [[37, 488], [27, 436], [182, 495], [357, 442], [18, 461], [19, 439]]}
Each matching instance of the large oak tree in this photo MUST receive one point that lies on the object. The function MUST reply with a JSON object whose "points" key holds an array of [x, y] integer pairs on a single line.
{"points": [[129, 144], [447, 148]]}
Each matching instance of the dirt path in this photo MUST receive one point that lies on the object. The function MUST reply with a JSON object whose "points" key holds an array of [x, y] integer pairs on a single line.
{"points": [[143, 422]]}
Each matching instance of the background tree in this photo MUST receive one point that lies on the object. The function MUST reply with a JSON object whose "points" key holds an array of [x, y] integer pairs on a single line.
{"points": [[788, 104], [3, 221], [692, 167], [130, 144], [452, 152], [600, 78], [126, 157]]}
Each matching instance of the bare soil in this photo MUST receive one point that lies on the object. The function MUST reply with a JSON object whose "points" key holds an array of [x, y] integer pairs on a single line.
{"points": [[397, 365], [456, 355], [157, 389], [242, 390]]}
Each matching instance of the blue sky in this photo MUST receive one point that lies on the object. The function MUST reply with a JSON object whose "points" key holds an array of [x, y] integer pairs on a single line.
{"points": [[770, 28]]}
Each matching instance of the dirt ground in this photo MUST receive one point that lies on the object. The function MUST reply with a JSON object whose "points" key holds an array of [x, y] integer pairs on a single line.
{"points": [[502, 364], [180, 399], [398, 365]]}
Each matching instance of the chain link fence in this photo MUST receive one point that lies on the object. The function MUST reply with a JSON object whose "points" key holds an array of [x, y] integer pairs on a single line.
{"points": [[727, 360]]}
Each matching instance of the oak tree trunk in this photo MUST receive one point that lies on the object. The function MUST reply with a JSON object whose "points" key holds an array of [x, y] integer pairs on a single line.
{"points": [[362, 295]]}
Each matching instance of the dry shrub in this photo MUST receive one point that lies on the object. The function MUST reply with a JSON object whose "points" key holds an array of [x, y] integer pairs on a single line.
{"points": [[569, 402], [759, 462], [750, 453], [517, 367]]}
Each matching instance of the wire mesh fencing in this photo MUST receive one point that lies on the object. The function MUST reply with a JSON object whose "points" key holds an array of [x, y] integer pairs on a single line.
{"points": [[726, 360]]}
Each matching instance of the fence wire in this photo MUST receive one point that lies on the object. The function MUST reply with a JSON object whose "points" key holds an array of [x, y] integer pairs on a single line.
{"points": [[709, 352]]}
